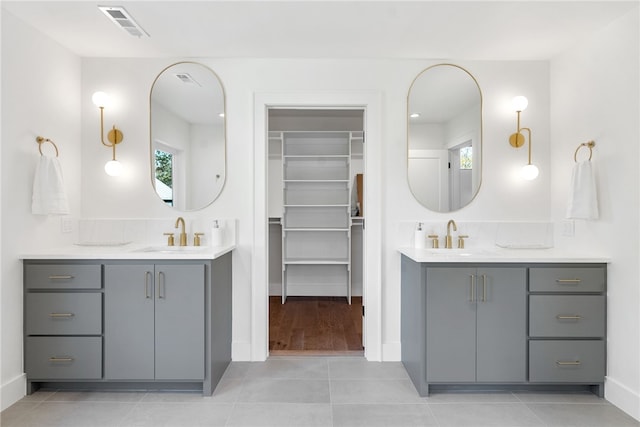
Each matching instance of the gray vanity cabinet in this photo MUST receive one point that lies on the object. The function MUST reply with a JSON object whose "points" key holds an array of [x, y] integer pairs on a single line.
{"points": [[506, 325], [62, 321], [475, 328], [154, 322], [567, 325], [127, 323]]}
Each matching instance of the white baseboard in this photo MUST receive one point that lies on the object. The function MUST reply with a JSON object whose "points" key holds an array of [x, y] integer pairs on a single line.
{"points": [[392, 351], [12, 391], [622, 397], [241, 351]]}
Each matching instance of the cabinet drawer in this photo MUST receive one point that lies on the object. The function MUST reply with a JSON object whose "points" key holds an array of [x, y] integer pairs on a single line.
{"points": [[567, 361], [567, 316], [62, 276], [567, 279], [63, 314], [63, 357]]}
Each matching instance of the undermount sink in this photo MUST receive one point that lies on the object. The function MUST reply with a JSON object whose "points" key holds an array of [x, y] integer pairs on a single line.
{"points": [[173, 249], [458, 252], [105, 243]]}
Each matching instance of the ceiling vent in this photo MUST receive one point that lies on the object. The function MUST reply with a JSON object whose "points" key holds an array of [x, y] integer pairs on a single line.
{"points": [[119, 16], [187, 79]]}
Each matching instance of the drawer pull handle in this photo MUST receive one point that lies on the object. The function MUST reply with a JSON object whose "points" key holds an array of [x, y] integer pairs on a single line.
{"points": [[60, 359], [472, 288], [574, 317], [484, 288], [561, 281], [568, 363], [147, 294], [61, 315], [61, 277], [161, 285]]}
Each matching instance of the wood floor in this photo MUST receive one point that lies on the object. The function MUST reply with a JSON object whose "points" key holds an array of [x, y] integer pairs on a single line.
{"points": [[315, 325]]}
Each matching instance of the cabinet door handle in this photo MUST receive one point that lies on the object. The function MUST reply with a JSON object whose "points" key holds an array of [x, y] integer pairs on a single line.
{"points": [[161, 285], [472, 288], [147, 294], [60, 359], [574, 317], [484, 288], [568, 363], [61, 277], [565, 281], [61, 315]]}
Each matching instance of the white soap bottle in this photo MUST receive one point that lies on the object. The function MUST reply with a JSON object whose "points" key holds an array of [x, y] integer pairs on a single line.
{"points": [[420, 238], [217, 234]]}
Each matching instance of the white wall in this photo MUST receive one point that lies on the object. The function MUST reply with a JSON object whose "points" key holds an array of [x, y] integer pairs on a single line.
{"points": [[596, 96], [40, 84], [502, 196], [40, 96], [424, 136], [206, 163]]}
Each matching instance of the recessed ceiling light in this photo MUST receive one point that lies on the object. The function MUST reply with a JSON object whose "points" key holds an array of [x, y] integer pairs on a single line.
{"points": [[414, 115], [221, 115], [119, 16]]}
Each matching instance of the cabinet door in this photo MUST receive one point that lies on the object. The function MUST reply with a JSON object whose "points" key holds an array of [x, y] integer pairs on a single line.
{"points": [[179, 319], [128, 322], [451, 325], [501, 325]]}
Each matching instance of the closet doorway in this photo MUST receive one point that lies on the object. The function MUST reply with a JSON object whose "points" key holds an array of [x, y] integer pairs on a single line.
{"points": [[315, 237]]}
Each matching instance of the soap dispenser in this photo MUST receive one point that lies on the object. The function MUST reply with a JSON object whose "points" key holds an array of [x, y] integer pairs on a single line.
{"points": [[217, 234], [420, 238]]}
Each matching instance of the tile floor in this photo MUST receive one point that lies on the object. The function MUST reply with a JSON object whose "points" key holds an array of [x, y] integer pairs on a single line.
{"points": [[313, 391]]}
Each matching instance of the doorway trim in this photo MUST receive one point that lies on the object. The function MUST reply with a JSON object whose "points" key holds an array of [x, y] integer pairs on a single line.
{"points": [[371, 102]]}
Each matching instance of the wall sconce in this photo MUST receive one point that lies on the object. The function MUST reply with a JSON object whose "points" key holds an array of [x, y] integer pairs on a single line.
{"points": [[517, 140], [115, 136]]}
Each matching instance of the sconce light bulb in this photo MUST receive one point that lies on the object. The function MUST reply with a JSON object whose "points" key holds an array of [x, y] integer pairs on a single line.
{"points": [[100, 99], [529, 172], [113, 168], [520, 103]]}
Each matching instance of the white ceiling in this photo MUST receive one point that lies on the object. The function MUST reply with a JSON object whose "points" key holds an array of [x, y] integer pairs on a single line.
{"points": [[482, 30]]}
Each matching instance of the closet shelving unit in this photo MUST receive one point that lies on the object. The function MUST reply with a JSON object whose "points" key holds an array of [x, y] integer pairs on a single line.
{"points": [[316, 215]]}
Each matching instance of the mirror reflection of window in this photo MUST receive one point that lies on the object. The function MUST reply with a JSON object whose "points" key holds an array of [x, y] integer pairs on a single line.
{"points": [[188, 121], [466, 158], [444, 138], [460, 175], [164, 176]]}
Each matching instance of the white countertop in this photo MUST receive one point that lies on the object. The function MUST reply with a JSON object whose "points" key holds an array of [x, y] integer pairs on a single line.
{"points": [[502, 255], [130, 251]]}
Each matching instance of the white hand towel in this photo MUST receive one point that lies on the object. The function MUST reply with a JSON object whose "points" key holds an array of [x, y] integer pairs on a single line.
{"points": [[583, 199], [49, 196]]}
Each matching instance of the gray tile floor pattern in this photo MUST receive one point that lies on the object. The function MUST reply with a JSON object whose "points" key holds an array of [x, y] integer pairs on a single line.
{"points": [[313, 391]]}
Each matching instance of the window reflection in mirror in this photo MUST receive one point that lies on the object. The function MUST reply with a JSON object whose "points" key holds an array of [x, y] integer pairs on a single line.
{"points": [[444, 141], [188, 136], [164, 174]]}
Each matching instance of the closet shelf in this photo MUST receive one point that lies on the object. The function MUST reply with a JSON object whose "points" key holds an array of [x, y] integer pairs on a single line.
{"points": [[315, 229], [317, 206], [316, 261], [315, 156], [315, 180]]}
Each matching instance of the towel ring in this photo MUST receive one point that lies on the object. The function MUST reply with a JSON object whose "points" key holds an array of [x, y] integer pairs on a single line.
{"points": [[589, 145], [41, 140]]}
